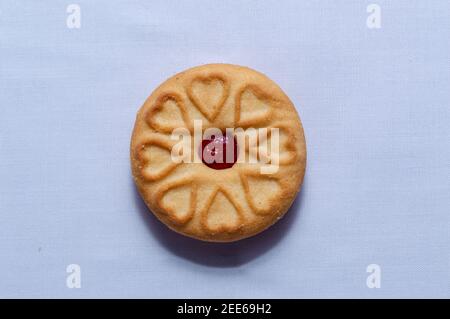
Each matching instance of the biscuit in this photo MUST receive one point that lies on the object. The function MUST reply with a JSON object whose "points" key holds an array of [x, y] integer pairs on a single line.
{"points": [[219, 202]]}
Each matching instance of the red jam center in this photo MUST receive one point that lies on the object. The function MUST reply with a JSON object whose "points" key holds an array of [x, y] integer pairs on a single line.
{"points": [[219, 152]]}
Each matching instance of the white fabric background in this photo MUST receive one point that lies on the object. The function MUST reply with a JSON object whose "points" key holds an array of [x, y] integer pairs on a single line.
{"points": [[374, 104]]}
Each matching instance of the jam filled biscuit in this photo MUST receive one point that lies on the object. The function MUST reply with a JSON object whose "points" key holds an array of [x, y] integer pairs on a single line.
{"points": [[218, 152]]}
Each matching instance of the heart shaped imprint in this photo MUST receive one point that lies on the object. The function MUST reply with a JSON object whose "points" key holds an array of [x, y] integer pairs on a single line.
{"points": [[178, 199], [261, 192], [168, 113], [154, 159], [221, 214], [253, 107], [208, 94]]}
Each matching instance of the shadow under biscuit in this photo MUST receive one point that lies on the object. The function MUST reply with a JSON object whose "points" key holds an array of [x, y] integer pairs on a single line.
{"points": [[219, 254]]}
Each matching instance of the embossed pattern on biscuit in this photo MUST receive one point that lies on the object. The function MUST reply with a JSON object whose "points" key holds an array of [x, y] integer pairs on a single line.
{"points": [[178, 199], [252, 107], [154, 158], [261, 191], [168, 113], [220, 214], [285, 150], [208, 94]]}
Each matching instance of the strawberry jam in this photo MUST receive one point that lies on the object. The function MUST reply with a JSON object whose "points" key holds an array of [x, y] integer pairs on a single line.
{"points": [[219, 152]]}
